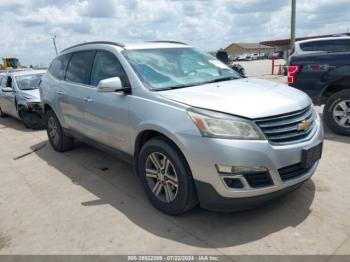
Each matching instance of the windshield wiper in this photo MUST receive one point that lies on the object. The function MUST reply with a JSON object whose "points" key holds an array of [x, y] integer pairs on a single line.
{"points": [[32, 88], [175, 87], [196, 84], [222, 79]]}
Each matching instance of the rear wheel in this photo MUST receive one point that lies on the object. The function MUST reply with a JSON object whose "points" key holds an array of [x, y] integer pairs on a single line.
{"points": [[58, 139], [336, 112], [166, 178]]}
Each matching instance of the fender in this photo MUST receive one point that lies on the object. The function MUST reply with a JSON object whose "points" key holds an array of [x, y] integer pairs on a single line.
{"points": [[339, 78]]}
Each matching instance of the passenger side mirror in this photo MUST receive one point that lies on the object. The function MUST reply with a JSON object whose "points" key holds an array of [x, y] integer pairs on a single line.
{"points": [[113, 84], [7, 90]]}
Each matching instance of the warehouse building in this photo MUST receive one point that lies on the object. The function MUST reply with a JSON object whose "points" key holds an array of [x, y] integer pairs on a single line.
{"points": [[246, 48]]}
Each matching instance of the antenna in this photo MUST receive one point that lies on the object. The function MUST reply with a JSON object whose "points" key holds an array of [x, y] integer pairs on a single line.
{"points": [[54, 43]]}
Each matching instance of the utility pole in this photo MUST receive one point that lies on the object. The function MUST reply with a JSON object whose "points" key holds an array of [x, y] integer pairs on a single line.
{"points": [[292, 24], [54, 43]]}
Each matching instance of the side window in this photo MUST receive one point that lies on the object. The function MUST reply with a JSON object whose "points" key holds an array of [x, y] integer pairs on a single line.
{"points": [[336, 45], [10, 82], [79, 67], [106, 65], [59, 66], [4, 81]]}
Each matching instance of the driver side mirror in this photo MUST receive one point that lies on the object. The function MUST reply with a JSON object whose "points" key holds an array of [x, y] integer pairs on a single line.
{"points": [[113, 84], [7, 90]]}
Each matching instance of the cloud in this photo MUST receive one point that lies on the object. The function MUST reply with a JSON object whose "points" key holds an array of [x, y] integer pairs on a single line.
{"points": [[207, 24], [100, 9]]}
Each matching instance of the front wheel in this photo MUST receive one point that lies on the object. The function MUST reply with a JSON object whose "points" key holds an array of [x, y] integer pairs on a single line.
{"points": [[58, 139], [336, 112], [166, 177]]}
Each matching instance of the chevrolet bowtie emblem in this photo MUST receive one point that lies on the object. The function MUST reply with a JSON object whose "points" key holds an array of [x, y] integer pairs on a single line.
{"points": [[303, 126]]}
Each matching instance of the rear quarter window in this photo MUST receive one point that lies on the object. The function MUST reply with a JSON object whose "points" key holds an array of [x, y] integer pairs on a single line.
{"points": [[340, 45], [59, 65]]}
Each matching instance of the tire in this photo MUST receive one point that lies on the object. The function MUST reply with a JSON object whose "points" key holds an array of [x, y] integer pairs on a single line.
{"points": [[179, 199], [2, 114], [332, 110], [23, 116], [58, 139]]}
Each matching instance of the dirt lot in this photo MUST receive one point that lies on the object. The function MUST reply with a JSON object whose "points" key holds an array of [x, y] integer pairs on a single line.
{"points": [[88, 202]]}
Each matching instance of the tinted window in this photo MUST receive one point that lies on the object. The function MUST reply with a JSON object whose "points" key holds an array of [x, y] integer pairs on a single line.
{"points": [[106, 65], [79, 67], [6, 81], [58, 66], [340, 45]]}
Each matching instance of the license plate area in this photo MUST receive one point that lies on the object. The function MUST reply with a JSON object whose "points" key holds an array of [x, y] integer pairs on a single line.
{"points": [[311, 155]]}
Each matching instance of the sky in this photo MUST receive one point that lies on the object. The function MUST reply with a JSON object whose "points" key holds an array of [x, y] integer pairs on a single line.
{"points": [[27, 26]]}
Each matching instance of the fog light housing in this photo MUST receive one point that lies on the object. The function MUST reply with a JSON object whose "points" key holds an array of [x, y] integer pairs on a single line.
{"points": [[233, 182], [235, 170]]}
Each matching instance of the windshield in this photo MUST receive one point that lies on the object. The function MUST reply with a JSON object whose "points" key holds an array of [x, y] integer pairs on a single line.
{"points": [[28, 82], [170, 68]]}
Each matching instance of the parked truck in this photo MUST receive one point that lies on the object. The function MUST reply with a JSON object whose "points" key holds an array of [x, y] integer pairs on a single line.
{"points": [[325, 77]]}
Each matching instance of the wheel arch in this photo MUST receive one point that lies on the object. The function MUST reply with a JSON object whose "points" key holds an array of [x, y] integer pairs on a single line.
{"points": [[148, 134], [334, 87]]}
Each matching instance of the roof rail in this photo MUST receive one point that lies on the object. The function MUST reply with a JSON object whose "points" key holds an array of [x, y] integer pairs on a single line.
{"points": [[166, 41], [95, 42]]}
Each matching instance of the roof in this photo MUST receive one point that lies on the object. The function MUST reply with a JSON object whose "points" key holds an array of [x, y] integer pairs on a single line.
{"points": [[250, 46], [323, 39], [150, 45], [29, 72], [284, 42], [130, 46]]}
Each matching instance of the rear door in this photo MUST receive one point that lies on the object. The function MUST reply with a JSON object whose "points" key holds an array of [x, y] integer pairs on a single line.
{"points": [[106, 114], [72, 93]]}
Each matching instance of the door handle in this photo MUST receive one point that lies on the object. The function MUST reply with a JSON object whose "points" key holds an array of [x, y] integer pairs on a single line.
{"points": [[87, 99], [60, 92]]}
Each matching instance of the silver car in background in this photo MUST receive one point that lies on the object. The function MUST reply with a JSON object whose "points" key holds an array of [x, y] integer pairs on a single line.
{"points": [[19, 96], [195, 130]]}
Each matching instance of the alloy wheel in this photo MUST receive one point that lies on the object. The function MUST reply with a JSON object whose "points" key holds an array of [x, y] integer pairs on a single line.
{"points": [[341, 113], [161, 177], [52, 129]]}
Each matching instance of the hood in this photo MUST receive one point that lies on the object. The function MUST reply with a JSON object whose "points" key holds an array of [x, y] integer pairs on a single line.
{"points": [[250, 98], [31, 94]]}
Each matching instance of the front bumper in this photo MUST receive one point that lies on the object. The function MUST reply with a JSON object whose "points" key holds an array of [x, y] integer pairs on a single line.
{"points": [[205, 153], [30, 113]]}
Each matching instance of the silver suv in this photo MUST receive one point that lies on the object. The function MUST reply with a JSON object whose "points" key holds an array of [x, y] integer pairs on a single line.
{"points": [[195, 130]]}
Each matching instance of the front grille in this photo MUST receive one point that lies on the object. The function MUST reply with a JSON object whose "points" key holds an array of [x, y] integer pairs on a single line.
{"points": [[292, 171], [255, 180], [283, 129]]}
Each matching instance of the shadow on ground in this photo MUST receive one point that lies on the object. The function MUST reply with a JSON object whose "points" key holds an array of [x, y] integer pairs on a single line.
{"points": [[14, 123], [330, 135], [206, 228]]}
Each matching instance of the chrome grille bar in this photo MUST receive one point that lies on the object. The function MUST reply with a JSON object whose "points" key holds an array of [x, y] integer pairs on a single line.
{"points": [[285, 128]]}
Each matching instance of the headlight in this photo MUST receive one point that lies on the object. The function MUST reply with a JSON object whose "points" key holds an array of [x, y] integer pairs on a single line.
{"points": [[214, 124]]}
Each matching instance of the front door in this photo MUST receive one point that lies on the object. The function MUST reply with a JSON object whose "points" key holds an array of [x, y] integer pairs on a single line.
{"points": [[106, 114], [8, 99]]}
